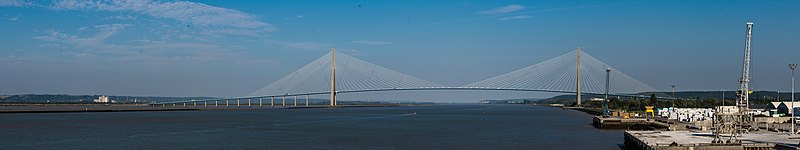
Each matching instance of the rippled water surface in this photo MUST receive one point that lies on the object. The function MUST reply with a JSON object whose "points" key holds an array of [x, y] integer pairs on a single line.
{"points": [[417, 127]]}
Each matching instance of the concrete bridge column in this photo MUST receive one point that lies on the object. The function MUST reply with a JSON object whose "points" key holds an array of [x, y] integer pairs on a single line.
{"points": [[227, 103], [216, 103], [306, 100], [205, 103], [283, 101], [238, 105], [260, 102], [249, 104], [273, 102], [295, 101]]}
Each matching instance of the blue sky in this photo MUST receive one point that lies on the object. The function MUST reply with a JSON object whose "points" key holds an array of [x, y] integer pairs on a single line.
{"points": [[231, 48]]}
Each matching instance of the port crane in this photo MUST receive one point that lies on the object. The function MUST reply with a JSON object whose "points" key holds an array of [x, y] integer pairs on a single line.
{"points": [[735, 120]]}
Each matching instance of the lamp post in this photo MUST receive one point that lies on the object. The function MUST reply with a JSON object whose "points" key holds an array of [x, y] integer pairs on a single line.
{"points": [[793, 66], [605, 102]]}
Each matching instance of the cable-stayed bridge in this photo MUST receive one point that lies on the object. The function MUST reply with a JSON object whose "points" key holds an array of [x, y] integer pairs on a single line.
{"points": [[339, 73]]}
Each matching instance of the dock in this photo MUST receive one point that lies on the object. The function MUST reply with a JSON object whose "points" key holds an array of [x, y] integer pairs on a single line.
{"points": [[613, 122], [689, 140], [617, 122]]}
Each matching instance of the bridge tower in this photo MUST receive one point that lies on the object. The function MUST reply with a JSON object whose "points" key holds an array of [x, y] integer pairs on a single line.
{"points": [[578, 86], [333, 77]]}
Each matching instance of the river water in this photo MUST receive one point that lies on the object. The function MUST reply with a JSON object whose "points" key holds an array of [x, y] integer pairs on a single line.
{"points": [[413, 127]]}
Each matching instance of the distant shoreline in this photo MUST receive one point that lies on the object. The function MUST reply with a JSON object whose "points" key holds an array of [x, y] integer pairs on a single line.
{"points": [[77, 111], [16, 109], [75, 108]]}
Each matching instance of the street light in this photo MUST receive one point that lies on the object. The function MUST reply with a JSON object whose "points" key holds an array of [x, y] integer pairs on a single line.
{"points": [[605, 103], [793, 66], [673, 103], [723, 97]]}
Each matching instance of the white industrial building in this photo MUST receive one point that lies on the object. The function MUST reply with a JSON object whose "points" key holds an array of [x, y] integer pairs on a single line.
{"points": [[782, 108], [102, 99], [687, 114]]}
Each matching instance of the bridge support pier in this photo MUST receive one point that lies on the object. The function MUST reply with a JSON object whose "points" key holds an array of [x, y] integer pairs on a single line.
{"points": [[205, 103], [306, 100], [249, 104], [261, 102], [283, 101], [295, 101], [184, 104], [216, 103], [195, 104], [238, 105], [227, 103], [272, 103]]}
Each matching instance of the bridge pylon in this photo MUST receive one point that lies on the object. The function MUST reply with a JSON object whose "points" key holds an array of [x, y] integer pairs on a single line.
{"points": [[333, 77], [578, 86]]}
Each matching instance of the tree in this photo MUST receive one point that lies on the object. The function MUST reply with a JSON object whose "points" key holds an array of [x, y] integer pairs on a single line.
{"points": [[634, 105], [613, 102], [653, 100]]}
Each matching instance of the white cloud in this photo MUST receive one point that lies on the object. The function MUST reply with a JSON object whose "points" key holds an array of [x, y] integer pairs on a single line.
{"points": [[188, 42], [370, 42], [514, 18], [296, 17], [503, 10], [301, 45], [104, 32], [15, 3], [190, 12], [95, 45], [93, 49], [15, 60], [231, 32], [126, 17], [109, 29]]}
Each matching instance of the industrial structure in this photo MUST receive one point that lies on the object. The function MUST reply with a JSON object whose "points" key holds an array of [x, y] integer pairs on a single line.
{"points": [[735, 120], [102, 99]]}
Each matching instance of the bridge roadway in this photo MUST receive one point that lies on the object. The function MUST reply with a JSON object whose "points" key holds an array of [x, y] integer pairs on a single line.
{"points": [[260, 98]]}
